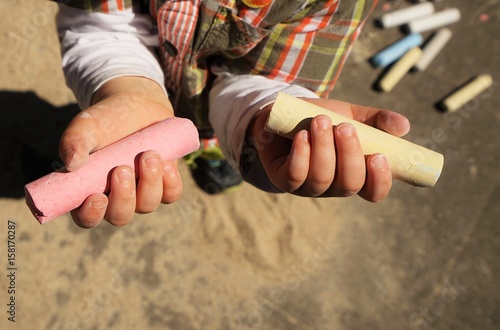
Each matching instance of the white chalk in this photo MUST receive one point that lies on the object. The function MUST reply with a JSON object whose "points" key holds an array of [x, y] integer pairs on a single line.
{"points": [[467, 93], [433, 47], [434, 21], [400, 69], [402, 16]]}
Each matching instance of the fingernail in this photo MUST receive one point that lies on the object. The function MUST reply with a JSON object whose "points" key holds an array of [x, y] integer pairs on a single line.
{"points": [[323, 122], [125, 175], [168, 168], [152, 161], [99, 204], [71, 161], [305, 136], [68, 157], [379, 161], [346, 129]]}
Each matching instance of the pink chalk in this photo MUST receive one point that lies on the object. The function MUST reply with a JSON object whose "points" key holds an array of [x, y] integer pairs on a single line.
{"points": [[484, 17], [60, 192]]}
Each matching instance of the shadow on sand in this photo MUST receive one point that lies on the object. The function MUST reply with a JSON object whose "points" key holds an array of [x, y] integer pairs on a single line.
{"points": [[30, 129]]}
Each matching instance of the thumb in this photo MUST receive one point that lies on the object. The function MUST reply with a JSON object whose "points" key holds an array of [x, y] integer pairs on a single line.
{"points": [[80, 138], [392, 122]]}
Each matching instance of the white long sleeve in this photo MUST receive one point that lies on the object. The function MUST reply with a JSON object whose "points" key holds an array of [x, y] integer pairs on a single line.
{"points": [[97, 47]]}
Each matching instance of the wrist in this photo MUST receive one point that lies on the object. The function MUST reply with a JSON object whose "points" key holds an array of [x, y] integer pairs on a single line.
{"points": [[258, 122], [135, 88]]}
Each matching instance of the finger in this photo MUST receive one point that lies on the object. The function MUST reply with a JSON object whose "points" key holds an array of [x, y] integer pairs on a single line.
{"points": [[122, 197], [379, 178], [351, 171], [322, 162], [389, 121], [107, 121], [91, 213], [172, 183], [290, 174], [80, 138], [150, 185]]}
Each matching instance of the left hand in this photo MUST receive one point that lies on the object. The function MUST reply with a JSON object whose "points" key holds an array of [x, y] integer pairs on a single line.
{"points": [[121, 107], [326, 161]]}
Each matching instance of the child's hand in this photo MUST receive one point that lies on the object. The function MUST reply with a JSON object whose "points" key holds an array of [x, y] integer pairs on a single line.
{"points": [[122, 106], [328, 162]]}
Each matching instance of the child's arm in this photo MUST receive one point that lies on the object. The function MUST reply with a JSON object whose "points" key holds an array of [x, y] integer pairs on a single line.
{"points": [[321, 162], [303, 58], [117, 112], [118, 83]]}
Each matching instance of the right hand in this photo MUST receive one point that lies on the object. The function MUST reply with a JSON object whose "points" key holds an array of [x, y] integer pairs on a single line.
{"points": [[325, 161], [121, 107]]}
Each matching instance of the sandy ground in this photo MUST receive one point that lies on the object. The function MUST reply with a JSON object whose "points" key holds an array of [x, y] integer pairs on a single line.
{"points": [[422, 259]]}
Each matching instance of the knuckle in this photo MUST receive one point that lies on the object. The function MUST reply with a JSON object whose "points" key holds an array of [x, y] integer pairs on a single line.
{"points": [[127, 196], [350, 189], [348, 193], [377, 199], [291, 184], [148, 203], [146, 208], [120, 218], [322, 181], [154, 182], [296, 178], [171, 196], [86, 224], [120, 222], [316, 189]]}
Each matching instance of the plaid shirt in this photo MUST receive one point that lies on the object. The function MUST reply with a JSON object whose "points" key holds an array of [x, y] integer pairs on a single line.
{"points": [[304, 42]]}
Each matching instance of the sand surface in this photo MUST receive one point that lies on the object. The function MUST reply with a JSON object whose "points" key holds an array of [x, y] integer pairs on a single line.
{"points": [[423, 258]]}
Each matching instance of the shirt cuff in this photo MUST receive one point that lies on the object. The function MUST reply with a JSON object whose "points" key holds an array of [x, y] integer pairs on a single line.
{"points": [[98, 47], [234, 101]]}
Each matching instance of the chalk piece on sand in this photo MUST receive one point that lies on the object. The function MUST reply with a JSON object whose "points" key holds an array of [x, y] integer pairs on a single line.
{"points": [[395, 51], [466, 93], [399, 70], [409, 162], [433, 47], [405, 15], [60, 192], [437, 20]]}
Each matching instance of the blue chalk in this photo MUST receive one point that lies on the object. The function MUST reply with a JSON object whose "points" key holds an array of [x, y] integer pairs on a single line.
{"points": [[396, 50]]}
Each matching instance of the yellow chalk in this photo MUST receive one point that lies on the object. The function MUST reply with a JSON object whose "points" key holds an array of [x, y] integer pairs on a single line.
{"points": [[467, 93], [408, 161], [400, 69]]}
